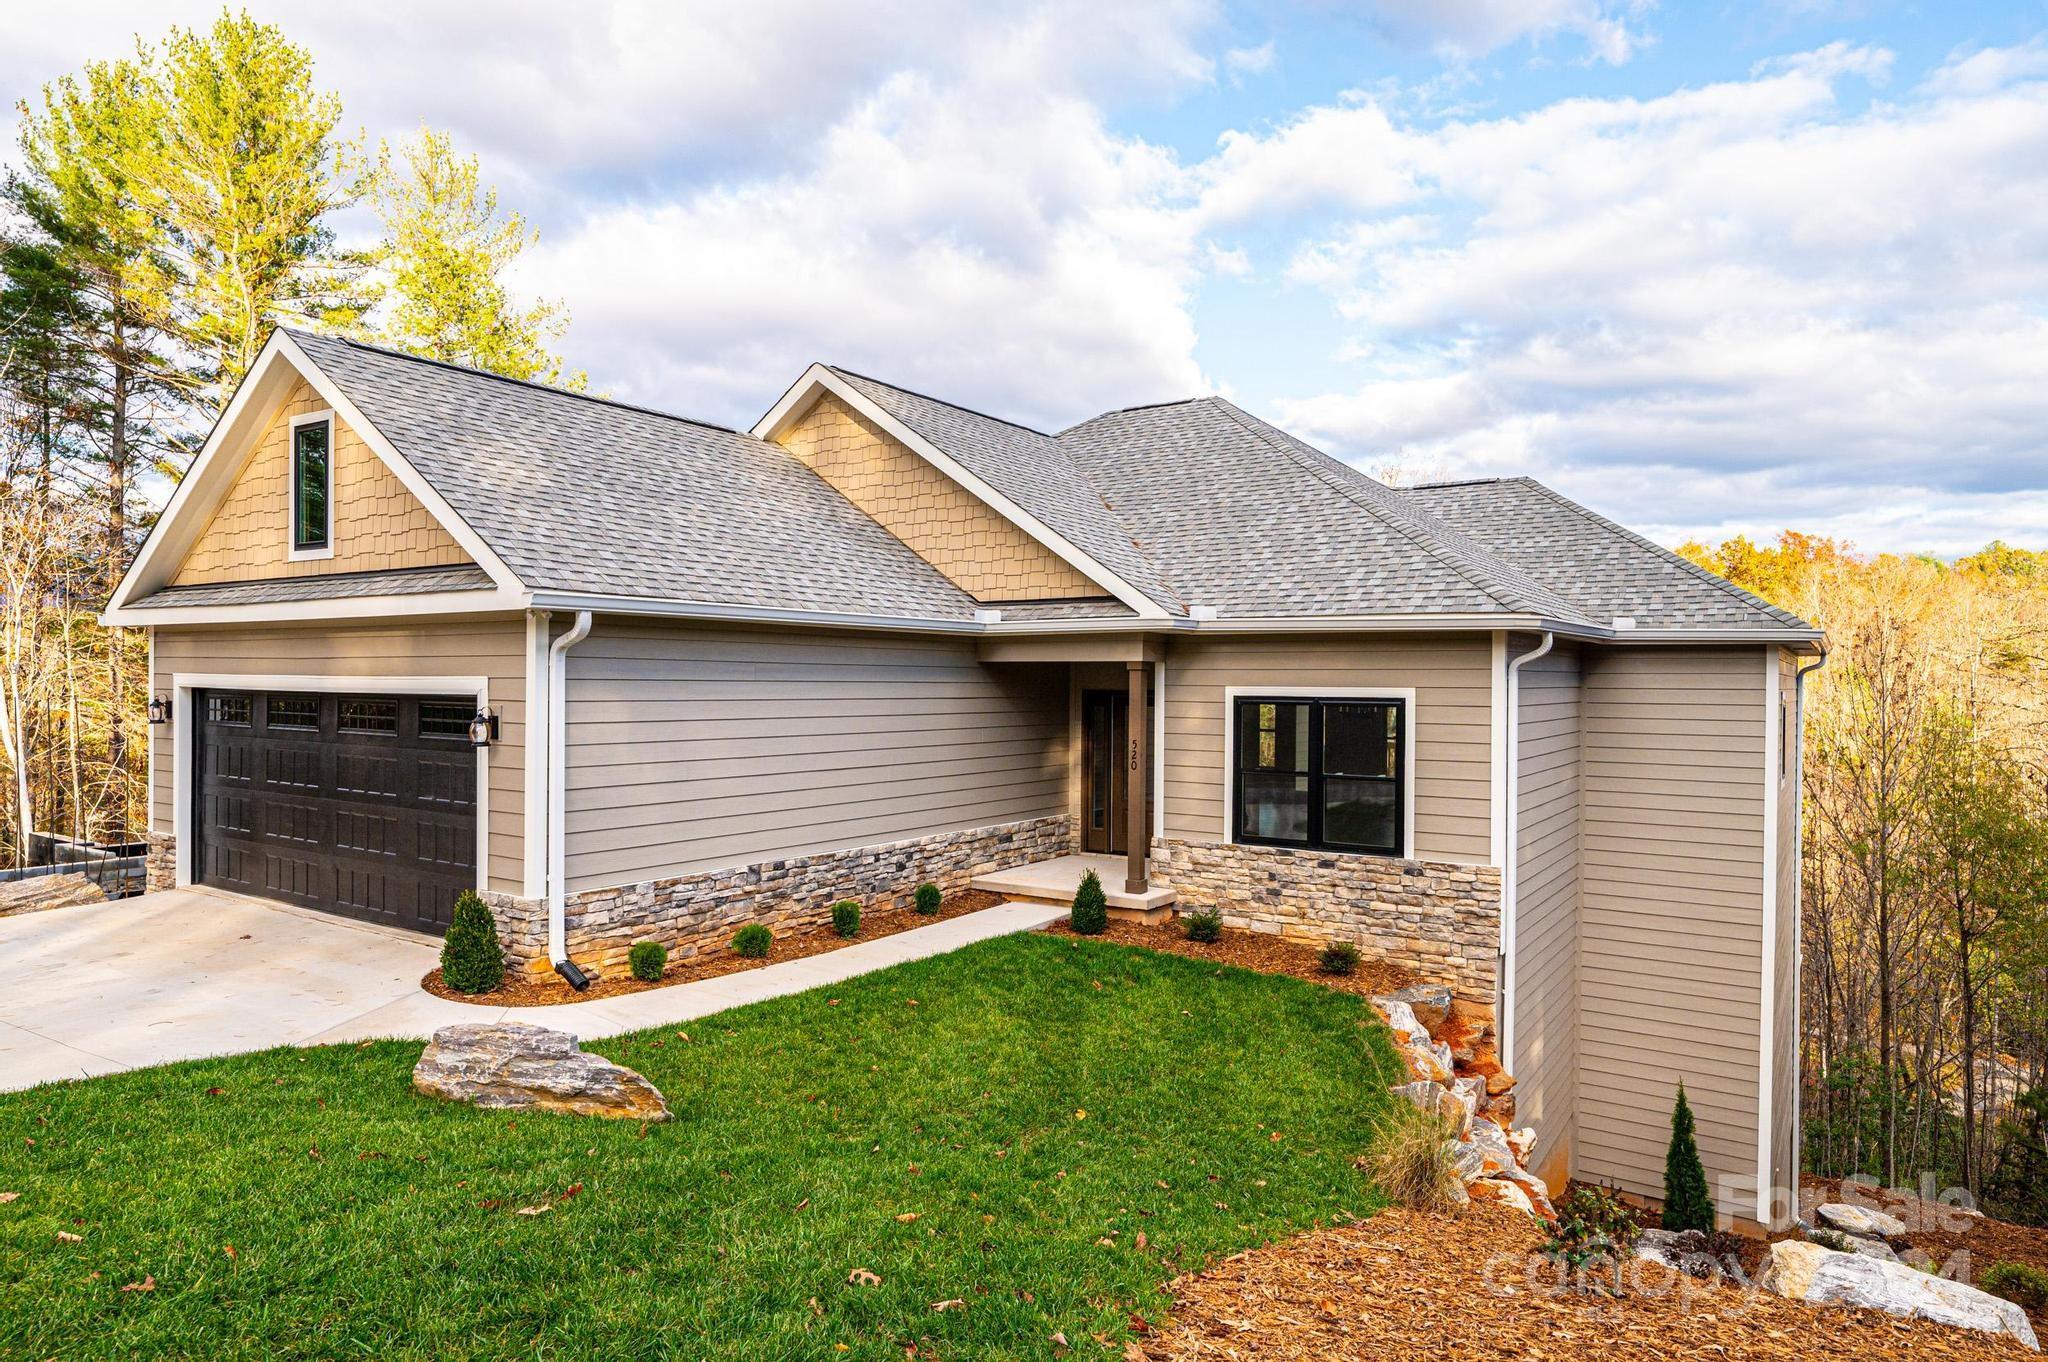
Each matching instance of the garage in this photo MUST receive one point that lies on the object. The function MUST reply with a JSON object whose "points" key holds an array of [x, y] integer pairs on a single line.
{"points": [[361, 805]]}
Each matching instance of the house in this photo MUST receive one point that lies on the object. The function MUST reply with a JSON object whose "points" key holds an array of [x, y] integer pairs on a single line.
{"points": [[417, 629]]}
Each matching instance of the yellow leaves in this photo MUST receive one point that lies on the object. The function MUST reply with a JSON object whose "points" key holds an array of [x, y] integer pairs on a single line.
{"points": [[906, 1218], [542, 1209], [1081, 1114]]}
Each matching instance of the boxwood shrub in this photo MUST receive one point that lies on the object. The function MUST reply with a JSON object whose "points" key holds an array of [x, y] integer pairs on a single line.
{"points": [[929, 898], [1202, 926], [1091, 908], [1339, 957], [753, 941], [472, 957], [846, 918], [647, 960]]}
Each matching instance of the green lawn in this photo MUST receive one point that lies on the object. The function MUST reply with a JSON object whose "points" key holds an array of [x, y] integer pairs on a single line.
{"points": [[1040, 1097]]}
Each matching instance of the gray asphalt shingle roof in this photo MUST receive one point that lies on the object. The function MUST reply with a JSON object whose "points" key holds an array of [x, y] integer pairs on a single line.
{"points": [[1189, 503], [1606, 569], [582, 495], [325, 587]]}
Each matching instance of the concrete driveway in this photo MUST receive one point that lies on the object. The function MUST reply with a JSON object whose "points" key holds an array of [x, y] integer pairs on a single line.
{"points": [[190, 973], [187, 973]]}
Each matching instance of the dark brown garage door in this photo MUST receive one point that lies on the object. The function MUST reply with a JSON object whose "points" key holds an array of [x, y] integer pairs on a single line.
{"points": [[363, 805]]}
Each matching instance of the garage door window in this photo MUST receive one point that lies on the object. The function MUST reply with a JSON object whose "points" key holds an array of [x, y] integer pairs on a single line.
{"points": [[445, 721], [293, 711], [228, 709], [369, 716]]}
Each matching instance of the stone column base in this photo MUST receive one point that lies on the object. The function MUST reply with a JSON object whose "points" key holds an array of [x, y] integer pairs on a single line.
{"points": [[160, 862]]}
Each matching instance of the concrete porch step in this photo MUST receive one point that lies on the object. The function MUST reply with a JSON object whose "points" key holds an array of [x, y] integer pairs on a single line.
{"points": [[1055, 881]]}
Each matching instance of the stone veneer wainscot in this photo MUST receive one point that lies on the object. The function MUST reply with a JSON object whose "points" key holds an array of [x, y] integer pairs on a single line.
{"points": [[697, 914], [1439, 919], [159, 862]]}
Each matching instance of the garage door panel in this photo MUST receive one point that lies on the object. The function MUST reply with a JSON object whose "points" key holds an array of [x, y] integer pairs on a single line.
{"points": [[358, 805]]}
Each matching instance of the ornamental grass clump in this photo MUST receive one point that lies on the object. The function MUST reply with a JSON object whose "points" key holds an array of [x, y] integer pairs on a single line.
{"points": [[752, 941], [1687, 1203], [928, 898], [1414, 1159], [1091, 907], [1203, 926], [846, 918], [647, 960], [472, 957]]}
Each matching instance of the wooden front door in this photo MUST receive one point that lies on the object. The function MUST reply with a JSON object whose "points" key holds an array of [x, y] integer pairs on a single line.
{"points": [[1105, 783]]}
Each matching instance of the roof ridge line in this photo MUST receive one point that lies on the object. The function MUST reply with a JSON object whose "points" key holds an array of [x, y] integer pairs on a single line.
{"points": [[373, 348], [1141, 406], [1251, 423], [956, 406], [1713, 578]]}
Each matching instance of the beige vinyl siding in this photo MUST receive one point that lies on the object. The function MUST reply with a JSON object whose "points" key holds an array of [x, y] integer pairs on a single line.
{"points": [[1453, 724], [702, 748], [1547, 902], [493, 649], [377, 523], [1670, 931], [1785, 985], [981, 551]]}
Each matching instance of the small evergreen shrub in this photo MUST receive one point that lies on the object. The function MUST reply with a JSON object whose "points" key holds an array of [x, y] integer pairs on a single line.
{"points": [[472, 957], [2024, 1286], [1091, 908], [1595, 1232], [1339, 957], [647, 960], [1414, 1159], [1204, 926], [752, 941], [1687, 1203], [929, 898], [846, 918]]}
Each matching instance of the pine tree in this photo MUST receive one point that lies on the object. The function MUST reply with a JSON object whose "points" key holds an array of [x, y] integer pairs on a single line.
{"points": [[1687, 1203], [472, 958], [446, 249], [1091, 908]]}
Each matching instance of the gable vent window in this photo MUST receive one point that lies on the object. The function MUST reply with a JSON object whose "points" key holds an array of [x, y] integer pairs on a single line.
{"points": [[1321, 773], [312, 486]]}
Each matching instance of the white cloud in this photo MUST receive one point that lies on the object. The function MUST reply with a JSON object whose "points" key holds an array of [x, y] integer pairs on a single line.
{"points": [[1739, 304], [1465, 29], [1984, 70], [1249, 61]]}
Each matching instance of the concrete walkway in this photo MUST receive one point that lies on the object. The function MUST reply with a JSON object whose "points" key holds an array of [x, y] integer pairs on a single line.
{"points": [[189, 973]]}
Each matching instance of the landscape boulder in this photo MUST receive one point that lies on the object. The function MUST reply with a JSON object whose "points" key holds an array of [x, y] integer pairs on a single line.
{"points": [[1431, 1004], [1860, 1220], [1822, 1276], [1438, 1100], [507, 1065], [1401, 1020], [39, 892]]}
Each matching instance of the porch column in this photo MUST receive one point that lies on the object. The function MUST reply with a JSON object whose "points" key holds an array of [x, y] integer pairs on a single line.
{"points": [[1138, 831]]}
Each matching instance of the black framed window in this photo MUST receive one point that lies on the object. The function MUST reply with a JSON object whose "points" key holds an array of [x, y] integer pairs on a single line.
{"points": [[312, 480], [1320, 773], [444, 719]]}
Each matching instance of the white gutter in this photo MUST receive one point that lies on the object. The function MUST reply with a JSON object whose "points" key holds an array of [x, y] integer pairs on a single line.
{"points": [[1510, 854], [558, 796]]}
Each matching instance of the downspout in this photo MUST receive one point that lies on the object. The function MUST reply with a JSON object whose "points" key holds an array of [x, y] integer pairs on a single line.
{"points": [[1510, 855], [1798, 736], [558, 799]]}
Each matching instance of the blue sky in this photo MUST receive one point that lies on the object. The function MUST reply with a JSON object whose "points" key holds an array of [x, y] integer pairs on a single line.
{"points": [[1711, 268]]}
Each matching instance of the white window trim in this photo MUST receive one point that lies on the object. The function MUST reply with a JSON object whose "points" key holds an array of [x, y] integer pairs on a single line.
{"points": [[1410, 759], [185, 724], [292, 551]]}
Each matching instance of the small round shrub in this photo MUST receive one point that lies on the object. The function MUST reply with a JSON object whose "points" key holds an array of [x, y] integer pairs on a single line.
{"points": [[1339, 957], [1204, 926], [752, 941], [929, 898], [2024, 1286], [472, 957], [846, 918], [1091, 907], [647, 960], [1595, 1231]]}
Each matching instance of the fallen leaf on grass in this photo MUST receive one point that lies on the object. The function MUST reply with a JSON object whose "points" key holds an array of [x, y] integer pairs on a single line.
{"points": [[533, 1210], [906, 1217], [801, 1204], [816, 1308], [954, 1304], [1141, 1239], [148, 1283], [228, 1249], [6, 1197], [1059, 1340], [67, 1237], [1081, 1115], [860, 1276]]}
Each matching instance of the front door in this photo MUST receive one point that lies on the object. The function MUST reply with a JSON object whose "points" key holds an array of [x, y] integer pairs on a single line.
{"points": [[1105, 784]]}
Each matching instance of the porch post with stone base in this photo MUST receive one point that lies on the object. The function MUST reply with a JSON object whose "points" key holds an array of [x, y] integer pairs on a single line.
{"points": [[1136, 785]]}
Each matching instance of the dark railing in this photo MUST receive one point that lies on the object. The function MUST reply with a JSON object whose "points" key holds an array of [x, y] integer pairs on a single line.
{"points": [[118, 868]]}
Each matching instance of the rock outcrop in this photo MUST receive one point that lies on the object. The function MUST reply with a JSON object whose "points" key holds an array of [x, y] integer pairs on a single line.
{"points": [[1860, 1221], [1824, 1276], [507, 1065]]}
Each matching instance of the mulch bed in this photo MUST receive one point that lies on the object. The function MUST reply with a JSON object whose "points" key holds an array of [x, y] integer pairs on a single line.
{"points": [[1261, 952], [547, 990], [1407, 1285], [1943, 1232]]}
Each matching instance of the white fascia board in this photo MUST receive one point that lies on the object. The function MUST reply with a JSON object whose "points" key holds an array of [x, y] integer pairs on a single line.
{"points": [[818, 376], [437, 505], [332, 608]]}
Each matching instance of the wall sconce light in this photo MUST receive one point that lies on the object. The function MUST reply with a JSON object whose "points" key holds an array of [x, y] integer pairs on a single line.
{"points": [[483, 729], [160, 709]]}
